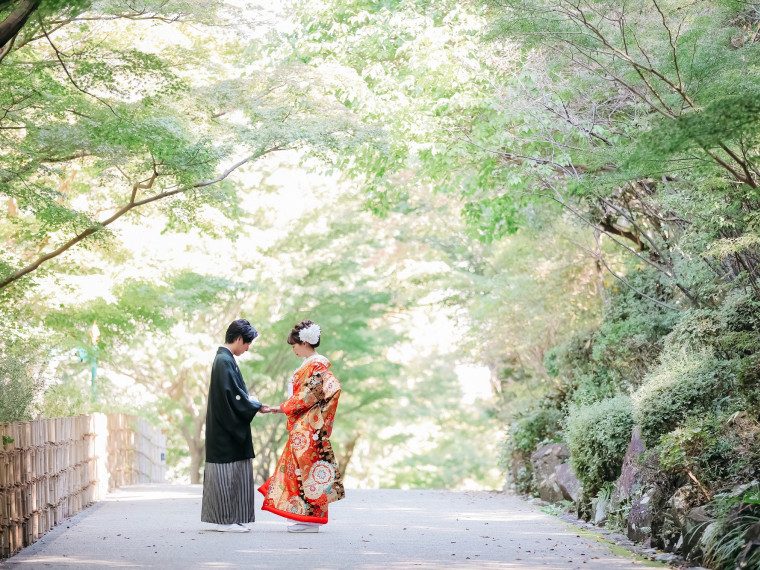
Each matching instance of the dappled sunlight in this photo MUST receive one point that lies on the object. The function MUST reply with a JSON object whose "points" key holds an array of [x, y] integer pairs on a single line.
{"points": [[391, 508], [155, 493], [74, 561], [370, 529], [490, 516], [528, 231]]}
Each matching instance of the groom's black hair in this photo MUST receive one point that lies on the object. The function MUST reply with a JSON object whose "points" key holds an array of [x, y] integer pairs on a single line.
{"points": [[238, 328]]}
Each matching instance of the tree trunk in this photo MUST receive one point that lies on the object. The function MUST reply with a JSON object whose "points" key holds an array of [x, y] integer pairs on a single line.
{"points": [[345, 457], [196, 447], [197, 453], [16, 20]]}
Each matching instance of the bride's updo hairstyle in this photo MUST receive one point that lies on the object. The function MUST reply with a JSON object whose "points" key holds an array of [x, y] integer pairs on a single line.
{"points": [[305, 331]]}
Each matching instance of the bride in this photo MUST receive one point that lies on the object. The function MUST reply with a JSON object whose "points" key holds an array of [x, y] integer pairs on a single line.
{"points": [[306, 478]]}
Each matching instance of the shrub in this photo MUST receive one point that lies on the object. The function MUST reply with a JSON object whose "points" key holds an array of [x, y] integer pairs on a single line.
{"points": [[730, 544], [533, 427], [632, 332], [683, 385], [740, 313], [596, 365], [68, 398], [524, 434], [19, 384], [697, 328], [749, 379], [597, 436], [579, 377], [733, 329], [715, 448]]}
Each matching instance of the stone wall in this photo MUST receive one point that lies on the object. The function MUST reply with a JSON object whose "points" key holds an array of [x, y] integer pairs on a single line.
{"points": [[671, 514]]}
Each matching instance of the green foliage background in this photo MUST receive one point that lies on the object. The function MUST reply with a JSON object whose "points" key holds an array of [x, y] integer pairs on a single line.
{"points": [[567, 193]]}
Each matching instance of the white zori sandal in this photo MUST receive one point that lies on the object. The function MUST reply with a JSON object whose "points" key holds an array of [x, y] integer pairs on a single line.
{"points": [[304, 527], [237, 527]]}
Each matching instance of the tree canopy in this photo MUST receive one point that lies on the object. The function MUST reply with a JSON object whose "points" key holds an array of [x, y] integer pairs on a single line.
{"points": [[527, 217]]}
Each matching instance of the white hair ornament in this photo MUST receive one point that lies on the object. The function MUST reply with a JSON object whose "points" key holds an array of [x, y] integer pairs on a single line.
{"points": [[310, 334]]}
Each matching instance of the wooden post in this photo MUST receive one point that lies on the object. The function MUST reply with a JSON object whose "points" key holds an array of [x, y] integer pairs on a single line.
{"points": [[56, 467]]}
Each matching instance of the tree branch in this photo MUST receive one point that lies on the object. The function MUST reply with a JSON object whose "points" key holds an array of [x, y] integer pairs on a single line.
{"points": [[6, 49], [581, 17], [58, 24], [74, 83], [16, 20], [126, 208], [600, 257], [673, 42]]}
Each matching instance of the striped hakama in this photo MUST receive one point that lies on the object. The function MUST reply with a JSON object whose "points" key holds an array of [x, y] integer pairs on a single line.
{"points": [[228, 492]]}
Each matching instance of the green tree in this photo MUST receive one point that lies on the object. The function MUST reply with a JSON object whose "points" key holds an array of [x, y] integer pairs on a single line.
{"points": [[96, 129], [651, 108]]}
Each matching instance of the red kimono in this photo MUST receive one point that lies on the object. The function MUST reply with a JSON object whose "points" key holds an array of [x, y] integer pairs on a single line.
{"points": [[306, 478]]}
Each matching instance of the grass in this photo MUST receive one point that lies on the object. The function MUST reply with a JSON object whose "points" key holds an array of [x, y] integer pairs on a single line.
{"points": [[617, 550]]}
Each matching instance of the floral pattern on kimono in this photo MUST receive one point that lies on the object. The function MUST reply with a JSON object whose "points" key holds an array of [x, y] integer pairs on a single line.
{"points": [[306, 478]]}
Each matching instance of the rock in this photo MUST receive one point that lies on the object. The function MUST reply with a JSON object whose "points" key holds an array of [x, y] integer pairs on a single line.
{"points": [[679, 544], [641, 516], [547, 457], [753, 533], [637, 484], [680, 503], [544, 461], [549, 490], [618, 538], [667, 558], [674, 516], [600, 511], [568, 483], [752, 544], [696, 523], [739, 490], [630, 480], [520, 475]]}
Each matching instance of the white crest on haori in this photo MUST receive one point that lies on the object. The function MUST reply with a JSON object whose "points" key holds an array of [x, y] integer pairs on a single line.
{"points": [[310, 334]]}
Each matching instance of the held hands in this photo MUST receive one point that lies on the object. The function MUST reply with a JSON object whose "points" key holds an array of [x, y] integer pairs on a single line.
{"points": [[270, 410]]}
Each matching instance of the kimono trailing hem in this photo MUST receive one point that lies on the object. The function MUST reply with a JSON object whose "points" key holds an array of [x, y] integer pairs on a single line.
{"points": [[292, 516]]}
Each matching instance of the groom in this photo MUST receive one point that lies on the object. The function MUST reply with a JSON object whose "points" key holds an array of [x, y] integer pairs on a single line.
{"points": [[228, 487]]}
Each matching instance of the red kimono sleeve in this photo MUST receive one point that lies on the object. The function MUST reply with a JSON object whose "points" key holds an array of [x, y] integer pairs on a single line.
{"points": [[304, 398]]}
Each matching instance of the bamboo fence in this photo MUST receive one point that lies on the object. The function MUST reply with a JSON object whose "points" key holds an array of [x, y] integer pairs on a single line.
{"points": [[54, 468]]}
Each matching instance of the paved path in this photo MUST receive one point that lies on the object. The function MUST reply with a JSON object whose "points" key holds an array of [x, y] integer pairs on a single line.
{"points": [[158, 526]]}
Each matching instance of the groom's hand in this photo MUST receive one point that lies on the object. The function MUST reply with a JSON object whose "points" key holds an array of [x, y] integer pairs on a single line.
{"points": [[265, 409]]}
